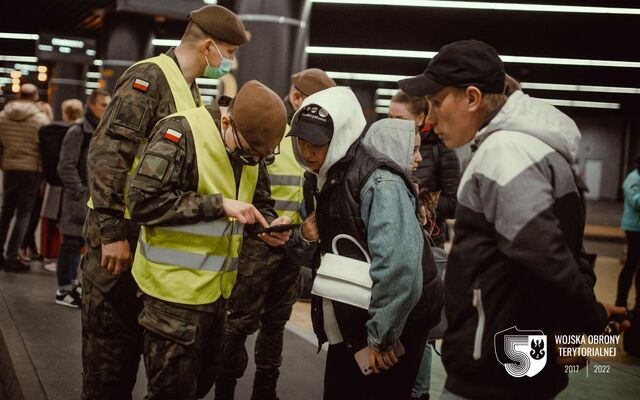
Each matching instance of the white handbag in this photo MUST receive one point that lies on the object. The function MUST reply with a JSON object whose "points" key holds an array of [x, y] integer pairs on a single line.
{"points": [[344, 279]]}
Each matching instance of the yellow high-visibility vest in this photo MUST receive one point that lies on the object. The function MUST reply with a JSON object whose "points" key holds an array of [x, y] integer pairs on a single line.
{"points": [[286, 177], [181, 97], [197, 263]]}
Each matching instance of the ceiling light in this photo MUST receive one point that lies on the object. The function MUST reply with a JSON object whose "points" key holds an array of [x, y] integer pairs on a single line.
{"points": [[383, 102], [207, 81], [19, 36], [211, 92], [386, 92], [166, 42], [94, 75], [585, 104], [483, 5], [353, 51], [579, 88], [42, 76], [382, 110], [19, 59], [356, 76], [42, 68]]}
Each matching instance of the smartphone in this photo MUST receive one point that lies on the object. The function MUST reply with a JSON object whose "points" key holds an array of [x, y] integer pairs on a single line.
{"points": [[362, 358], [278, 228]]}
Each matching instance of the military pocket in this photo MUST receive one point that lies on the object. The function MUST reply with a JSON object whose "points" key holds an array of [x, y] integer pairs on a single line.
{"points": [[130, 117], [168, 326]]}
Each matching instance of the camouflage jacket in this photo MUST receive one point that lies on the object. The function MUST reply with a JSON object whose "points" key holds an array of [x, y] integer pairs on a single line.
{"points": [[126, 124], [164, 187]]}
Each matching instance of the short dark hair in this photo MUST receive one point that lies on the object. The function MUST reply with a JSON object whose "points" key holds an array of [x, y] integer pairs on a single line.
{"points": [[93, 97], [416, 104]]}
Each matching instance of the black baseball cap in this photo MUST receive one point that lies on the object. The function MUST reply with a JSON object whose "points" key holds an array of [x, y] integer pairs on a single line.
{"points": [[313, 124], [460, 64]]}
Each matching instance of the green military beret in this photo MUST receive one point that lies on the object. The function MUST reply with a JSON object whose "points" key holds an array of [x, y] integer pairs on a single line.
{"points": [[220, 23], [312, 80], [260, 116]]}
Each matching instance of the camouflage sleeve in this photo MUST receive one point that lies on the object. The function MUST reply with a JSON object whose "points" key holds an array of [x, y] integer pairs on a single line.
{"points": [[126, 123], [262, 198], [163, 188]]}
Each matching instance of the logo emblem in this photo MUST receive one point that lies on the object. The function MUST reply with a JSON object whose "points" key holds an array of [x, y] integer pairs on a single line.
{"points": [[522, 353]]}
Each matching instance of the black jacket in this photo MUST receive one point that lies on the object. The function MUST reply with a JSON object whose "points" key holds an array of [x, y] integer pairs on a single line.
{"points": [[338, 211], [72, 170], [517, 259], [439, 171]]}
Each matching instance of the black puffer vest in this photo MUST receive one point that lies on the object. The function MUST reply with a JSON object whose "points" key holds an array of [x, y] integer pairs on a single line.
{"points": [[338, 211]]}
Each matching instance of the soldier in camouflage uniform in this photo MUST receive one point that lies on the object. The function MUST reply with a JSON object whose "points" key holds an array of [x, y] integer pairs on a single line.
{"points": [[268, 281], [173, 196], [147, 92]]}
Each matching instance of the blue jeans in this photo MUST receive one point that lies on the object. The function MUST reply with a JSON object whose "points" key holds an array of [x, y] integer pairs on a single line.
{"points": [[423, 380], [68, 259], [20, 189]]}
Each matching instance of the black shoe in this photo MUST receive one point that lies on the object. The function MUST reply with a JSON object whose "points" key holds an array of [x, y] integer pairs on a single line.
{"points": [[264, 385], [225, 388], [68, 298], [16, 266]]}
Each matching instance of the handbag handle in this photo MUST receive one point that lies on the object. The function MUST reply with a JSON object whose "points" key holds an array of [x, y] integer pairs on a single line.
{"points": [[350, 238]]}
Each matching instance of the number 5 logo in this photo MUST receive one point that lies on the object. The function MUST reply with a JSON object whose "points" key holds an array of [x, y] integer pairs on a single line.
{"points": [[521, 352]]}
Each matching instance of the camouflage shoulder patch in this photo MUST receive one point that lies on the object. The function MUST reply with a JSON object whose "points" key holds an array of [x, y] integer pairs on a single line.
{"points": [[154, 166], [141, 85], [172, 135]]}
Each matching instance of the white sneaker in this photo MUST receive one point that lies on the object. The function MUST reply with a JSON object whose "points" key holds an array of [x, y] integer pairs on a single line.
{"points": [[51, 266]]}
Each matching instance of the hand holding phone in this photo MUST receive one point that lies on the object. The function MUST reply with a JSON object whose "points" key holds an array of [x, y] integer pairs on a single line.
{"points": [[363, 358], [278, 228]]}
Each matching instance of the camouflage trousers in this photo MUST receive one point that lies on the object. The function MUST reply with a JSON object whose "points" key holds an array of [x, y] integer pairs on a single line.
{"points": [[182, 347], [267, 286], [111, 337]]}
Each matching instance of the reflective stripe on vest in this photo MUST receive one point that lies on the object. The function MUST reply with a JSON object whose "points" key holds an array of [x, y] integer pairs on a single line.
{"points": [[182, 98], [286, 178], [197, 263]]}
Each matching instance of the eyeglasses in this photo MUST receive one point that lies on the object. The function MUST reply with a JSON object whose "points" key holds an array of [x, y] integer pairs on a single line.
{"points": [[250, 158]]}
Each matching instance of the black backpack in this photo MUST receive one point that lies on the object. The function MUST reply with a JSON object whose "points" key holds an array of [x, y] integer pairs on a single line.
{"points": [[50, 142]]}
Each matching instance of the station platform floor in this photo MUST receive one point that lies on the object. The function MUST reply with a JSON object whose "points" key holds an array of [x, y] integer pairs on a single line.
{"points": [[44, 339], [49, 337]]}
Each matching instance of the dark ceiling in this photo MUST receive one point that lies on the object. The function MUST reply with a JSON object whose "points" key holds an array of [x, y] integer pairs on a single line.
{"points": [[515, 33]]}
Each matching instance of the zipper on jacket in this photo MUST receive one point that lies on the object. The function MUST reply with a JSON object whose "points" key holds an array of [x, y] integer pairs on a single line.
{"points": [[477, 342]]}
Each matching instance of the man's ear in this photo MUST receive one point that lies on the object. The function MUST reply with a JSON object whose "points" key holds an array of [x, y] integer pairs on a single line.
{"points": [[225, 121], [205, 44], [297, 99], [474, 98]]}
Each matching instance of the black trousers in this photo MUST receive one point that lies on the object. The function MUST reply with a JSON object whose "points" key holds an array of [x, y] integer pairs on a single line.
{"points": [[344, 381], [19, 193], [631, 268]]}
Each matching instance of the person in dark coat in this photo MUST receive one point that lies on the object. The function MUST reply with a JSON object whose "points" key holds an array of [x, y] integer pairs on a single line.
{"points": [[439, 172], [72, 170]]}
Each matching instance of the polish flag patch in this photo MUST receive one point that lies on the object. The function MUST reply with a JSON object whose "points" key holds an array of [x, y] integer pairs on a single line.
{"points": [[172, 135], [141, 85]]}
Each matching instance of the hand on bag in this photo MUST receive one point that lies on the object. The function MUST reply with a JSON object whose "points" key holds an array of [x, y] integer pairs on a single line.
{"points": [[276, 239], [309, 229], [245, 213], [116, 257], [383, 360]]}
